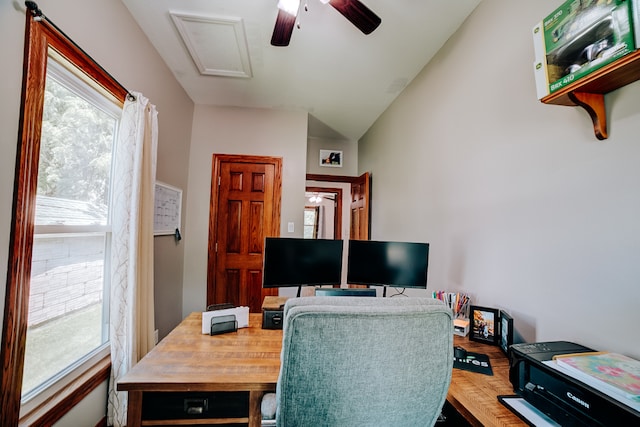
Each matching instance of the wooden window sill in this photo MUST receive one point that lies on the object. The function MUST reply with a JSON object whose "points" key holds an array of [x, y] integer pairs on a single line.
{"points": [[59, 404]]}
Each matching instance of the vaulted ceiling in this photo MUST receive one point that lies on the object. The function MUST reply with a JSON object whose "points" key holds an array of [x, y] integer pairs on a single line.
{"points": [[220, 52]]}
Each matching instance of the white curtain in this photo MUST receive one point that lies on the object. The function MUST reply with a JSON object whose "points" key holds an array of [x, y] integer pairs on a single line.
{"points": [[131, 301]]}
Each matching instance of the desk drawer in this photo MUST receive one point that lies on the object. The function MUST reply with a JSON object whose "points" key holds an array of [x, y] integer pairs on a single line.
{"points": [[194, 405]]}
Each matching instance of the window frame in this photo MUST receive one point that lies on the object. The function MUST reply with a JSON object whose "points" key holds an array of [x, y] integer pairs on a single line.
{"points": [[40, 36], [60, 71]]}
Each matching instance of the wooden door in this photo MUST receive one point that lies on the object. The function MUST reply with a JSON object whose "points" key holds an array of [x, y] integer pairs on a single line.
{"points": [[244, 209], [360, 208]]}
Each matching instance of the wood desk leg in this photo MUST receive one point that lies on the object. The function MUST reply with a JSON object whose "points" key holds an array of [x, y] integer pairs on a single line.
{"points": [[134, 409], [255, 415]]}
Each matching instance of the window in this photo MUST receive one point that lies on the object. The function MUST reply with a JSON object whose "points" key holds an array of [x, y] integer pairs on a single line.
{"points": [[68, 301], [32, 234], [311, 214]]}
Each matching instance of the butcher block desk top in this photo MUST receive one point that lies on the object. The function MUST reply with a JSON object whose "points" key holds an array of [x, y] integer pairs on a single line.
{"points": [[249, 360], [475, 396]]}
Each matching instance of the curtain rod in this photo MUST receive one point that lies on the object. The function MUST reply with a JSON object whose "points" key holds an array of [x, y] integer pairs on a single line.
{"points": [[38, 15]]}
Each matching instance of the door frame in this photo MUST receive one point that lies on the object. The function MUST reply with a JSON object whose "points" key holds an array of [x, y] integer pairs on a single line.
{"points": [[348, 180], [218, 159], [337, 211]]}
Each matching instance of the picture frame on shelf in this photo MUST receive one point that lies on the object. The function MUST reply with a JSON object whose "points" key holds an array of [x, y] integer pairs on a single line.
{"points": [[485, 325], [506, 331], [331, 158]]}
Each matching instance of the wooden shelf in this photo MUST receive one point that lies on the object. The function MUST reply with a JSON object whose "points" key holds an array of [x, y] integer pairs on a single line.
{"points": [[589, 91]]}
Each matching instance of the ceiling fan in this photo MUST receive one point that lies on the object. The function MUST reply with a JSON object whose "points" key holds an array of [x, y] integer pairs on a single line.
{"points": [[356, 12]]}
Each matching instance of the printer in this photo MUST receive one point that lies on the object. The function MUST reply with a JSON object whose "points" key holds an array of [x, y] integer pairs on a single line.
{"points": [[564, 399]]}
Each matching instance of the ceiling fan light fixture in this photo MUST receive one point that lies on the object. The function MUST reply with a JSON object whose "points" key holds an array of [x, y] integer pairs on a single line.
{"points": [[354, 10], [289, 6]]}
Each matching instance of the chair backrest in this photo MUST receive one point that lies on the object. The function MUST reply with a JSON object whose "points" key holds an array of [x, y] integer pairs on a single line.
{"points": [[363, 361]]}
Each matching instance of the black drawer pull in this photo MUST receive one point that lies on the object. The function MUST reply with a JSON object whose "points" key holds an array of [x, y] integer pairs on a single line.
{"points": [[196, 406]]}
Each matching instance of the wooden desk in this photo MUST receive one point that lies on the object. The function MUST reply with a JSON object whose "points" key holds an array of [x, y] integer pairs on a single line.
{"points": [[249, 361], [475, 395], [187, 361]]}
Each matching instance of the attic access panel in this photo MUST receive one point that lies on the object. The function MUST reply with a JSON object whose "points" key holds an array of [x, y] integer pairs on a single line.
{"points": [[217, 45]]}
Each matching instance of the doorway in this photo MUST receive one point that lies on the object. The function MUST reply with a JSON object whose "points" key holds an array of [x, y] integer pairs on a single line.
{"points": [[244, 208], [323, 213], [359, 188], [357, 218]]}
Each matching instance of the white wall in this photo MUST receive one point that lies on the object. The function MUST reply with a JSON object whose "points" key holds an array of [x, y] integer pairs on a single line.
{"points": [[230, 130], [524, 208]]}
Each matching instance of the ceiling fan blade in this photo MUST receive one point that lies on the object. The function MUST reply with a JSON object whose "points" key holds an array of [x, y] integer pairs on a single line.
{"points": [[283, 29], [358, 14]]}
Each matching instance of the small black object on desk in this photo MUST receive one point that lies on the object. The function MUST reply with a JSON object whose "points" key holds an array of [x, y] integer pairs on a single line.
{"points": [[459, 352]]}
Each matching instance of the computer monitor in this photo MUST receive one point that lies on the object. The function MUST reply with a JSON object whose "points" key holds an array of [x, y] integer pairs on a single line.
{"points": [[291, 262], [345, 292], [396, 264]]}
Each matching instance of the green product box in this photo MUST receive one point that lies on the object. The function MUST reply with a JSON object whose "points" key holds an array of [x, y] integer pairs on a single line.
{"points": [[580, 37]]}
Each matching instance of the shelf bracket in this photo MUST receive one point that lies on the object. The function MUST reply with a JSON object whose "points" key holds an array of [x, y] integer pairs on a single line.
{"points": [[593, 103]]}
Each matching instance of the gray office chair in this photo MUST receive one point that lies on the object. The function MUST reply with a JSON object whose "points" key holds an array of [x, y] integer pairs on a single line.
{"points": [[362, 361]]}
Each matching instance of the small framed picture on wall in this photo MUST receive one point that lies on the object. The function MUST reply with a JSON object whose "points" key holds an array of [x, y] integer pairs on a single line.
{"points": [[506, 331], [485, 325], [331, 158]]}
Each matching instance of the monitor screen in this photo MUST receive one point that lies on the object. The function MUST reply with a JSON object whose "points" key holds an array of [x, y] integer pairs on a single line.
{"points": [[301, 262], [397, 264]]}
